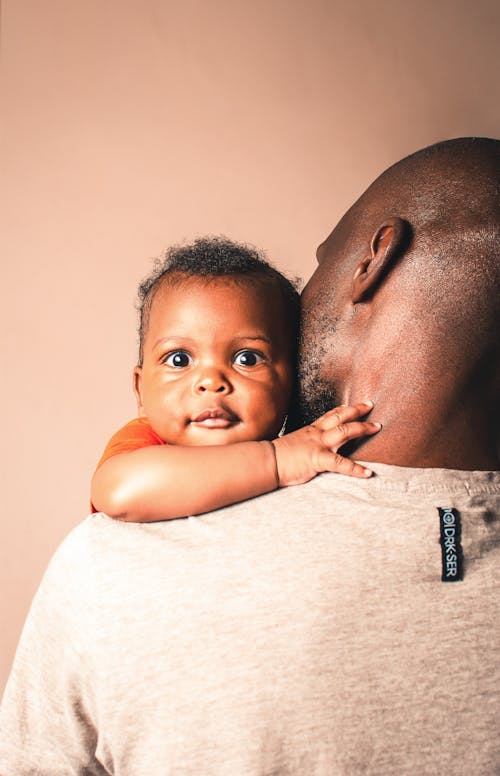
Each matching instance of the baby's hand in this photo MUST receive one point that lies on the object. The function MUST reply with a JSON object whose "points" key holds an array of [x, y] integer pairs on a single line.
{"points": [[301, 455]]}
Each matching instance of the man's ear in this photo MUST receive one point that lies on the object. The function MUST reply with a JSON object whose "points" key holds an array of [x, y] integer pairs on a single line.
{"points": [[385, 246], [137, 377]]}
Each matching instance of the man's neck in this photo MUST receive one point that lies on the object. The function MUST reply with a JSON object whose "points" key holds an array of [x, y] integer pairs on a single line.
{"points": [[426, 434]]}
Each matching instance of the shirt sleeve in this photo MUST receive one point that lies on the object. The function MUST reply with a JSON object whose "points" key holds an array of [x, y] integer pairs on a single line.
{"points": [[133, 436]]}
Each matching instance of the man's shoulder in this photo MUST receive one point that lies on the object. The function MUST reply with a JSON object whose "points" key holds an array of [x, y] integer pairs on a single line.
{"points": [[73, 557], [99, 540]]}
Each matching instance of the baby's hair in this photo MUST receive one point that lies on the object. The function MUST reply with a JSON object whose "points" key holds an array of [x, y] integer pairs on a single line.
{"points": [[212, 257]]}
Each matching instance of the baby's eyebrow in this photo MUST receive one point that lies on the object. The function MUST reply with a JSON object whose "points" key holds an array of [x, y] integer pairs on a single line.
{"points": [[173, 339], [253, 338]]}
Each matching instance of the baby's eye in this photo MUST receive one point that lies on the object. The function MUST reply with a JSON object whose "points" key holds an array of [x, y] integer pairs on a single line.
{"points": [[248, 358], [178, 359]]}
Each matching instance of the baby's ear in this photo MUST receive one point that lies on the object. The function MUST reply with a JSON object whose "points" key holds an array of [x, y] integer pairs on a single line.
{"points": [[385, 246], [137, 378]]}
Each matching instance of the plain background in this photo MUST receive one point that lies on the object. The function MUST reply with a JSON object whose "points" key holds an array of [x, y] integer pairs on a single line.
{"points": [[132, 124]]}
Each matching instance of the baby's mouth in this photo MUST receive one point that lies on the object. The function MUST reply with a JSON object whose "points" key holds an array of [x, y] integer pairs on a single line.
{"points": [[215, 418]]}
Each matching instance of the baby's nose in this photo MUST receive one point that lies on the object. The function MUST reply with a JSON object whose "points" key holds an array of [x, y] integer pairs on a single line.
{"points": [[212, 380]]}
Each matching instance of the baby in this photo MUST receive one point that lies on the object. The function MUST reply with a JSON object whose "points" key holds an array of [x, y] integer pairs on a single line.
{"points": [[218, 339]]}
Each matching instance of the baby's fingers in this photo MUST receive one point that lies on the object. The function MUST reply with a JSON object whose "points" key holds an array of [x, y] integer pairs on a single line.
{"points": [[333, 462], [343, 414], [336, 437]]}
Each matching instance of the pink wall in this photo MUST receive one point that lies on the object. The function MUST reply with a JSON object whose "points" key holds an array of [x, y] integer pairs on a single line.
{"points": [[134, 124]]}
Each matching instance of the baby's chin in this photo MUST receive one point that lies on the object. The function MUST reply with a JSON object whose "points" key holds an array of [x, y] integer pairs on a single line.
{"points": [[205, 436], [198, 435]]}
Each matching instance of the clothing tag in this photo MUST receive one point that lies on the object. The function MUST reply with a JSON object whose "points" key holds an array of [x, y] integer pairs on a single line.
{"points": [[451, 545]]}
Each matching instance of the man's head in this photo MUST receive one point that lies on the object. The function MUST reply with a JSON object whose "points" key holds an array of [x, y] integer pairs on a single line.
{"points": [[218, 341], [403, 309]]}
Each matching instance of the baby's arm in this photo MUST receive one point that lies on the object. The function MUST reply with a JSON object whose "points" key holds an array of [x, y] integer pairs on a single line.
{"points": [[168, 481]]}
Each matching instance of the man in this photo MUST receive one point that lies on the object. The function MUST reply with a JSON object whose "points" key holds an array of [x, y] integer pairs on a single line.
{"points": [[403, 308], [339, 627]]}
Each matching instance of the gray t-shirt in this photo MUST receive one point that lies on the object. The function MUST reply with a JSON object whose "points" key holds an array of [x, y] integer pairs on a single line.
{"points": [[307, 632]]}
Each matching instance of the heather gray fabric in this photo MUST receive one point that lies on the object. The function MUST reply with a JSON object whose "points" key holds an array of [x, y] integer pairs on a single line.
{"points": [[306, 632]]}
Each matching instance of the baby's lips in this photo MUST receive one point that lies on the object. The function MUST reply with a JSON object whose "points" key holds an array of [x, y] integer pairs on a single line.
{"points": [[217, 413]]}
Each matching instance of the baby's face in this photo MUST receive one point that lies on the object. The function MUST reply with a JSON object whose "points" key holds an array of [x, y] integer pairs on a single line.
{"points": [[217, 364]]}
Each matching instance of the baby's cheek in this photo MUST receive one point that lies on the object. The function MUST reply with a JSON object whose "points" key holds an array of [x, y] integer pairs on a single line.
{"points": [[166, 427]]}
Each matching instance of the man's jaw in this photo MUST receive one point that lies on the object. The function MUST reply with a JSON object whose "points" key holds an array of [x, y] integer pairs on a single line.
{"points": [[315, 398], [315, 395]]}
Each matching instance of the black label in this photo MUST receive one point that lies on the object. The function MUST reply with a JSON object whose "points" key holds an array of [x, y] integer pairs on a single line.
{"points": [[451, 545]]}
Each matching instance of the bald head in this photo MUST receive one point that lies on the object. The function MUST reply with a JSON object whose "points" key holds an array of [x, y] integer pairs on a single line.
{"points": [[403, 309], [453, 183]]}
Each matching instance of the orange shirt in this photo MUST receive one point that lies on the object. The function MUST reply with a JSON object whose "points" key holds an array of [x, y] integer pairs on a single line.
{"points": [[134, 435]]}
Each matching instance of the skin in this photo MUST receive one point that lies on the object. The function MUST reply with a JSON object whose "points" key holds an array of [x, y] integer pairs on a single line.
{"points": [[215, 384], [217, 364], [404, 308]]}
